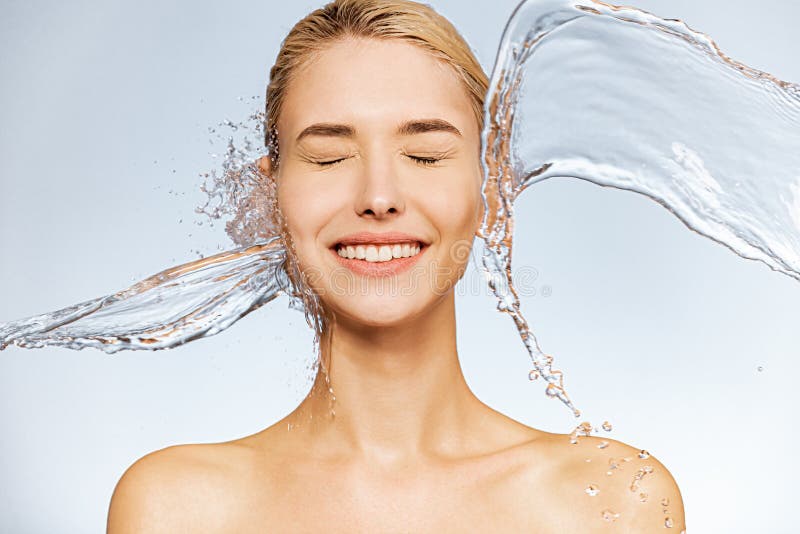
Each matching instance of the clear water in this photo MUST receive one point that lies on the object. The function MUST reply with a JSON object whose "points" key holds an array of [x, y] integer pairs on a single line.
{"points": [[624, 99], [175, 306], [609, 95]]}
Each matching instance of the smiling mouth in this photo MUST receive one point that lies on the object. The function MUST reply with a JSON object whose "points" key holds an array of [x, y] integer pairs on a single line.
{"points": [[379, 253]]}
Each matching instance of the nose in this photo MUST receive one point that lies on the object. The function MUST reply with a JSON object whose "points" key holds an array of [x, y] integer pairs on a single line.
{"points": [[380, 195]]}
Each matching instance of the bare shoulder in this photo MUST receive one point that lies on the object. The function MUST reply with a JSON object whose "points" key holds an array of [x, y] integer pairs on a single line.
{"points": [[182, 488], [601, 481]]}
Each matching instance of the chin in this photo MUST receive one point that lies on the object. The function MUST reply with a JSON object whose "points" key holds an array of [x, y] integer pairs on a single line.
{"points": [[377, 311]]}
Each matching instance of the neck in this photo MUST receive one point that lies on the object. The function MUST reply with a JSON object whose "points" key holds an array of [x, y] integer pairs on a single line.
{"points": [[397, 391]]}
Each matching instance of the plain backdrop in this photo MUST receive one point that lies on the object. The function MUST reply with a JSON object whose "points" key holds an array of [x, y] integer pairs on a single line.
{"points": [[105, 110]]}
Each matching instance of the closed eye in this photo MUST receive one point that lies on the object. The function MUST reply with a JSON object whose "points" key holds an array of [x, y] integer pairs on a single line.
{"points": [[425, 161], [418, 159], [329, 162]]}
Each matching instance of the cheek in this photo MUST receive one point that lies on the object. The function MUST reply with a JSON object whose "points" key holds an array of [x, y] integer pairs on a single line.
{"points": [[456, 205], [308, 203], [303, 212], [454, 208], [303, 219]]}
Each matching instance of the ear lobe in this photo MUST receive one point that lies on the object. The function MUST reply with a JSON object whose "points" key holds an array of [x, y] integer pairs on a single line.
{"points": [[265, 165]]}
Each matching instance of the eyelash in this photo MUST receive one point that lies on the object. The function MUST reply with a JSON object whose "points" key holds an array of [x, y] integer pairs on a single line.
{"points": [[426, 162]]}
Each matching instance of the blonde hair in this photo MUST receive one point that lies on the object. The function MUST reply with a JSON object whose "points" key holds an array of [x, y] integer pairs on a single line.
{"points": [[416, 23]]}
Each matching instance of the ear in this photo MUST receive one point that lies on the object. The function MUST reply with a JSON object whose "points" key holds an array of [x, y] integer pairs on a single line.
{"points": [[265, 165]]}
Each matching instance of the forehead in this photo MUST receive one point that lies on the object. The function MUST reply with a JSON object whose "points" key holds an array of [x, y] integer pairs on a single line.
{"points": [[374, 84]]}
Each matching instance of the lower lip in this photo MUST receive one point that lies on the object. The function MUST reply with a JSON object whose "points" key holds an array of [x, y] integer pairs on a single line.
{"points": [[392, 267]]}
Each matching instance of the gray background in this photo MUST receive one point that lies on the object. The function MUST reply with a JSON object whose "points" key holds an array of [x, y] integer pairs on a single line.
{"points": [[105, 109]]}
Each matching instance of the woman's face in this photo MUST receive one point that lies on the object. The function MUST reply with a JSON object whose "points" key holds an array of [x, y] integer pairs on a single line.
{"points": [[379, 154]]}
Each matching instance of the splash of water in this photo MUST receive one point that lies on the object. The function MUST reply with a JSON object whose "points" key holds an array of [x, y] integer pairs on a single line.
{"points": [[621, 98], [605, 94], [239, 193], [175, 306]]}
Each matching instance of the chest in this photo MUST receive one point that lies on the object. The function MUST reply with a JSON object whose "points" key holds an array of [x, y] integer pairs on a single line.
{"points": [[455, 501]]}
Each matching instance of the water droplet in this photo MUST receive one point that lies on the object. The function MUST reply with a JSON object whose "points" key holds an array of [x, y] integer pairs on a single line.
{"points": [[664, 502], [638, 476], [607, 426], [609, 516], [668, 522], [760, 368], [592, 490], [583, 429], [643, 497], [602, 445], [533, 375], [612, 464], [644, 455]]}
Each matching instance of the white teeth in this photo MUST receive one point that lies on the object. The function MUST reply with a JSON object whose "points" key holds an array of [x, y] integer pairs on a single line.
{"points": [[379, 253], [384, 253]]}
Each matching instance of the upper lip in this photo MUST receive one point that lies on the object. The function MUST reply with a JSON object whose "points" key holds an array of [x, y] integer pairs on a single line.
{"points": [[385, 238]]}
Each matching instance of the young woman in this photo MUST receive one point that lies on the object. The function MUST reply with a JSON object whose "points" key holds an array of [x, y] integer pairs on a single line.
{"points": [[376, 108]]}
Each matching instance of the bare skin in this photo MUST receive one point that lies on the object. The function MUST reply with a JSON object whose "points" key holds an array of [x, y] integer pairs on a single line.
{"points": [[410, 447]]}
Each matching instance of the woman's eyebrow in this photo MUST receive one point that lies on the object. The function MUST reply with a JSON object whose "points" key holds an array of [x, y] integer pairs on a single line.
{"points": [[427, 125], [412, 127], [327, 129]]}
